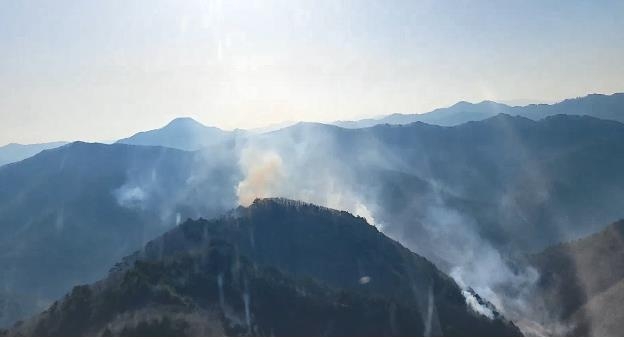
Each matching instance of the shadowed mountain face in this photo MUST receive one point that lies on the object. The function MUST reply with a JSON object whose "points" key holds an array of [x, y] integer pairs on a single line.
{"points": [[16, 152], [585, 280], [181, 133], [610, 107], [279, 268], [68, 214]]}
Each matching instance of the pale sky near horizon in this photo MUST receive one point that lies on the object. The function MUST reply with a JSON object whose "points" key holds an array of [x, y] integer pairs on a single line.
{"points": [[103, 70]]}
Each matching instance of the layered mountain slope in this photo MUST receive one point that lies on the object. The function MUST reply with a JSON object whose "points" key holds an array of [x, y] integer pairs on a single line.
{"points": [[585, 280], [601, 106], [181, 133], [463, 196], [66, 215], [610, 107], [532, 178], [279, 267]]}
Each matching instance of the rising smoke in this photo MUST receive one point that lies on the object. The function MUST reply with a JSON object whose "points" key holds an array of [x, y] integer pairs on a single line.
{"points": [[267, 175], [449, 237], [312, 165]]}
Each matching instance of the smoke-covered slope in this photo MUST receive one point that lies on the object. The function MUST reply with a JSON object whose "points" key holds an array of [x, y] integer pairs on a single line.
{"points": [[521, 181], [471, 198], [601, 106], [584, 279], [278, 267]]}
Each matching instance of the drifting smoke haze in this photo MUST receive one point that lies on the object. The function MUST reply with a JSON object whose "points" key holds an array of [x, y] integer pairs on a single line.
{"points": [[473, 261], [388, 110], [281, 167], [309, 164]]}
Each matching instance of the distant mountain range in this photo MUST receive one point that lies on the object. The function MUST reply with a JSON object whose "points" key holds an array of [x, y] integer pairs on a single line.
{"points": [[187, 134], [13, 152], [601, 106], [279, 267]]}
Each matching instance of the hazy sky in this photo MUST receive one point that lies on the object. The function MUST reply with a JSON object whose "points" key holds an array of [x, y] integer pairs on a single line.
{"points": [[99, 70]]}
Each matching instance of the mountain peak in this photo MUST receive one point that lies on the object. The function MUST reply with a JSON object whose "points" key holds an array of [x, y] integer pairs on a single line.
{"points": [[505, 119], [462, 103], [275, 200], [502, 115], [182, 133], [485, 105], [286, 203], [185, 122], [490, 102]]}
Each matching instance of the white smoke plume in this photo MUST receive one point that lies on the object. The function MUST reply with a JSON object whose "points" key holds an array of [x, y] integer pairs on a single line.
{"points": [[266, 174], [472, 301], [451, 238], [472, 261], [130, 196]]}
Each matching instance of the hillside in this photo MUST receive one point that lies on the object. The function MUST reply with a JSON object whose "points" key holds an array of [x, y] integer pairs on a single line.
{"points": [[68, 214], [279, 267], [585, 280]]}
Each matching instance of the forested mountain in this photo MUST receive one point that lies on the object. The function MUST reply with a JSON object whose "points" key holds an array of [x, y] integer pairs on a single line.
{"points": [[68, 214], [278, 267]]}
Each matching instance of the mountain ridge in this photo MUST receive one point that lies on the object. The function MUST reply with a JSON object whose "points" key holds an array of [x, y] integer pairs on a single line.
{"points": [[319, 234], [597, 105]]}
